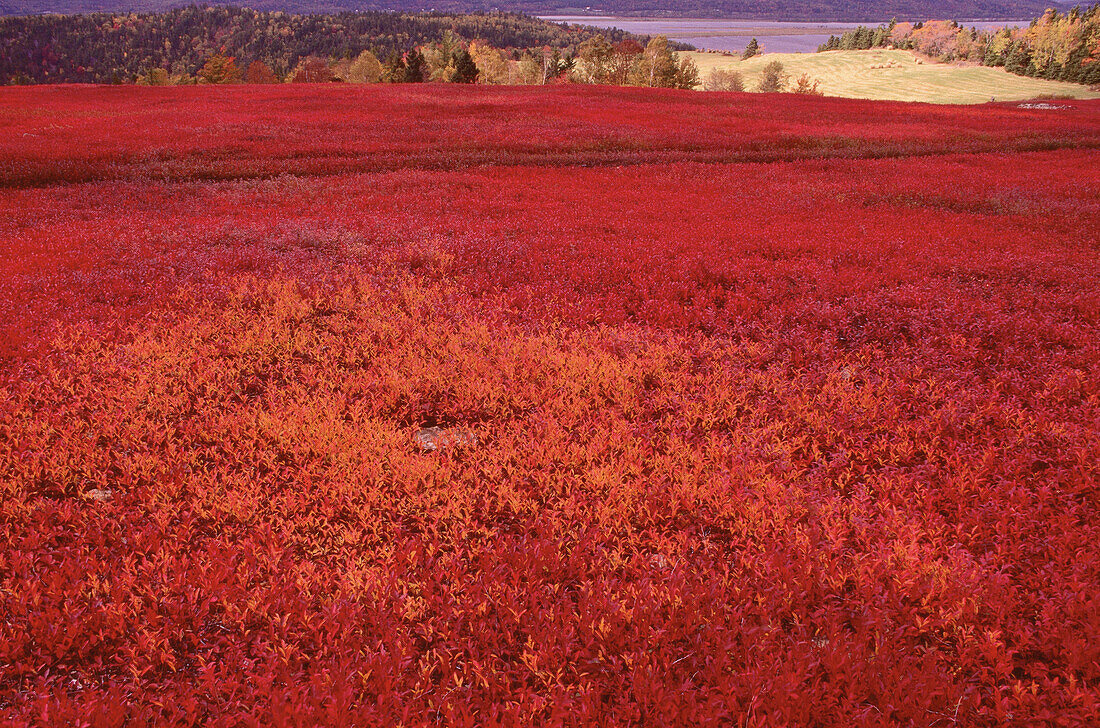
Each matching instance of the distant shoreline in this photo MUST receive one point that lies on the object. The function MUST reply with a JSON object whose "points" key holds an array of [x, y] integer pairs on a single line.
{"points": [[672, 19], [732, 36], [761, 21]]}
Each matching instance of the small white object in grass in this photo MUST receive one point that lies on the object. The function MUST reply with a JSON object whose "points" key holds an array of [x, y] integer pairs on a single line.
{"points": [[99, 495], [1042, 105], [437, 438]]}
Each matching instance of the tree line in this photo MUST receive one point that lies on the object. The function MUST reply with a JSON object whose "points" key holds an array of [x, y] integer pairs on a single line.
{"points": [[177, 44], [454, 60], [219, 45], [1061, 46]]}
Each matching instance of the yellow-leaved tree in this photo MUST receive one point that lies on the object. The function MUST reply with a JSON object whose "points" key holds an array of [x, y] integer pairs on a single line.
{"points": [[219, 68]]}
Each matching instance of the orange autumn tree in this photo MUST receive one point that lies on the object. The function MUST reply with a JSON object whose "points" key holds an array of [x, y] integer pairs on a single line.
{"points": [[260, 72], [312, 70], [219, 68]]}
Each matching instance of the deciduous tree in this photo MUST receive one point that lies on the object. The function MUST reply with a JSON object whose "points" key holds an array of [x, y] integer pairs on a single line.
{"points": [[154, 77], [658, 66], [219, 68], [808, 86], [723, 80], [366, 68], [440, 57], [260, 72], [687, 74], [312, 70], [773, 78], [595, 61], [492, 66], [623, 59]]}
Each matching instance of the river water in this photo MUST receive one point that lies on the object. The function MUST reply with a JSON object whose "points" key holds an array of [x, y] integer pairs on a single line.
{"points": [[734, 35]]}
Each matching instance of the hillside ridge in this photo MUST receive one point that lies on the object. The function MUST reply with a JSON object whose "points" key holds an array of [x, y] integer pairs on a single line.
{"points": [[788, 10]]}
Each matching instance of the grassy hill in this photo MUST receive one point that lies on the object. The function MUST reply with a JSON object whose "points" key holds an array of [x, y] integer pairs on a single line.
{"points": [[896, 76]]}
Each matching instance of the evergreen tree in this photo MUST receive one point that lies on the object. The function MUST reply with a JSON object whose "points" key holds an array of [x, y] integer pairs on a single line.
{"points": [[414, 67], [752, 49], [465, 70], [394, 68], [1019, 59]]}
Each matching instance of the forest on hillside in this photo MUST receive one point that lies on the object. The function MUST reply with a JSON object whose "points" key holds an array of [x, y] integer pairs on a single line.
{"points": [[120, 48], [1060, 46]]}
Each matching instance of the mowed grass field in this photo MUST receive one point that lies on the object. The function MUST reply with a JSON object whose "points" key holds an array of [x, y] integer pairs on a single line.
{"points": [[895, 76]]}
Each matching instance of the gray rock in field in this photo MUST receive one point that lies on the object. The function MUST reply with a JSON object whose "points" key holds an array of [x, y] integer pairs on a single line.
{"points": [[99, 495], [437, 438]]}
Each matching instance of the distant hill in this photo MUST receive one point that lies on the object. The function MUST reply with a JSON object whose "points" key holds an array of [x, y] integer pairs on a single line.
{"points": [[117, 48], [850, 10]]}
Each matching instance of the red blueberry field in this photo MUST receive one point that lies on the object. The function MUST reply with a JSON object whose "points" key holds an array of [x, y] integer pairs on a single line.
{"points": [[754, 410]]}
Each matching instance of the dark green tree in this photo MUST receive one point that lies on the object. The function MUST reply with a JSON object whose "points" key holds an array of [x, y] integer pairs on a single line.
{"points": [[465, 68], [751, 49], [393, 70], [1019, 59], [863, 39], [414, 67]]}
